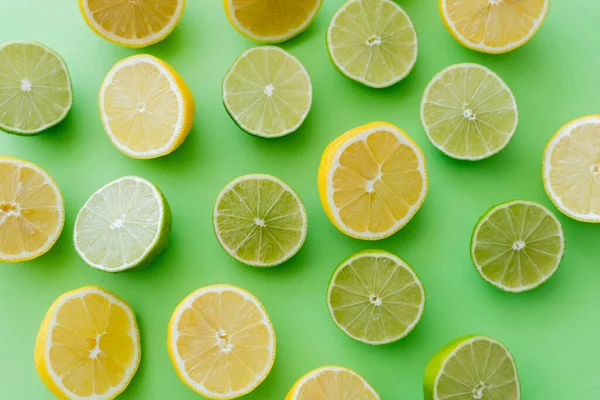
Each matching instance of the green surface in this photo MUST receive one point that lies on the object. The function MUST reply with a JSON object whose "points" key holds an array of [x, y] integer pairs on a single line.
{"points": [[552, 332]]}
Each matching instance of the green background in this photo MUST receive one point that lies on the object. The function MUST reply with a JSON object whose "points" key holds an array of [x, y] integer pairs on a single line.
{"points": [[553, 331]]}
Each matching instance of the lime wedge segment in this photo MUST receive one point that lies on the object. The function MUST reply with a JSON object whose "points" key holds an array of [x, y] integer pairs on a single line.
{"points": [[375, 297], [259, 220], [35, 88], [517, 246]]}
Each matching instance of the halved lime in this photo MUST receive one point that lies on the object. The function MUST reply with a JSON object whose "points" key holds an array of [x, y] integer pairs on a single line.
{"points": [[259, 220], [267, 92], [35, 88], [517, 246], [375, 297], [373, 42], [468, 112], [124, 225], [472, 368]]}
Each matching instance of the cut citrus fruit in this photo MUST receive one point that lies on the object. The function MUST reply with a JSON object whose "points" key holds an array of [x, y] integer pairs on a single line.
{"points": [[35, 88], [88, 346], [271, 21], [493, 26], [373, 42], [221, 342], [32, 213], [259, 220], [472, 368], [147, 109], [372, 181], [332, 383], [125, 224], [132, 23], [267, 92], [468, 112], [571, 169], [375, 297], [517, 246]]}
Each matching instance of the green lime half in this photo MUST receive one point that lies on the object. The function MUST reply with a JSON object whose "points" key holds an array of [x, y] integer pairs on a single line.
{"points": [[375, 297], [517, 246], [124, 225], [472, 368], [259, 220], [35, 88]]}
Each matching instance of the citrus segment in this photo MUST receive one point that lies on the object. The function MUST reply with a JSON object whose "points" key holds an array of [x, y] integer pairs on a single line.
{"points": [[332, 383]]}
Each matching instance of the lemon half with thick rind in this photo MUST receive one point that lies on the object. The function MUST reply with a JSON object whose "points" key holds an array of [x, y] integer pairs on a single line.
{"points": [[332, 383]]}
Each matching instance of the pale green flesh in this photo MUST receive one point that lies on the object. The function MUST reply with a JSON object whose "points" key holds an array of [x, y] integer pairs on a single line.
{"points": [[518, 246], [35, 88], [375, 299], [468, 112], [267, 92], [260, 222], [373, 41]]}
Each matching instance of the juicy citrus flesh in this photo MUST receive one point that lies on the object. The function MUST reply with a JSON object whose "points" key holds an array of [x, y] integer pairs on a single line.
{"points": [[493, 26], [267, 92], [373, 42], [571, 170], [472, 368], [31, 210], [221, 342], [271, 21], [259, 220], [146, 108], [332, 383], [468, 112], [88, 345], [132, 23], [372, 180], [517, 246], [35, 88], [122, 225], [375, 297]]}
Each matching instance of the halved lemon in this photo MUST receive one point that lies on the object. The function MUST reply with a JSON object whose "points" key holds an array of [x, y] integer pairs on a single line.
{"points": [[372, 181], [32, 213], [132, 23], [271, 21], [332, 383], [221, 342], [88, 346], [493, 26], [147, 109]]}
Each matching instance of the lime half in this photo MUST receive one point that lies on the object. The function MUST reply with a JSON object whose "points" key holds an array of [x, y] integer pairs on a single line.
{"points": [[472, 368], [375, 297], [267, 92], [517, 246], [259, 220], [35, 88], [124, 225]]}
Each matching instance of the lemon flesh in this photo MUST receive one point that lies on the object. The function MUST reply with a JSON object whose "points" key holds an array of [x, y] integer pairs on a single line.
{"points": [[332, 383]]}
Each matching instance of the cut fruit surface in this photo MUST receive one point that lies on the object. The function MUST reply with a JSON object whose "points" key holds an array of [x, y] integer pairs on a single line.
{"points": [[373, 42], [32, 213], [375, 297], [493, 26], [35, 88], [471, 368], [88, 346], [221, 342], [271, 21], [332, 383], [147, 109], [259, 220], [372, 181], [267, 92], [132, 23], [517, 246], [468, 112], [571, 169], [124, 225]]}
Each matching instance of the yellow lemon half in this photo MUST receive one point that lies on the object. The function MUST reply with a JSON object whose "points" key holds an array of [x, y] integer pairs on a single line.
{"points": [[332, 383]]}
